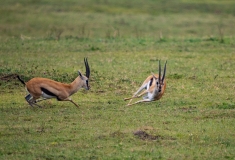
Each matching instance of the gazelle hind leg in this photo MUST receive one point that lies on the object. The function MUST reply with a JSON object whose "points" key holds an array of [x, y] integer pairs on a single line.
{"points": [[140, 101], [31, 100]]}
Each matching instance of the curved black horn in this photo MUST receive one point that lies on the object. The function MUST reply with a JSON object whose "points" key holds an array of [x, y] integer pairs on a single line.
{"points": [[87, 68], [164, 72], [159, 75]]}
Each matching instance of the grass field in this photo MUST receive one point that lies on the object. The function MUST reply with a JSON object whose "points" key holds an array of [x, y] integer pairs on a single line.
{"points": [[123, 41]]}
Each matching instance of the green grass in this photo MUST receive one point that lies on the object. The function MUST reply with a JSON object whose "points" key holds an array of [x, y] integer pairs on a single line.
{"points": [[123, 42]]}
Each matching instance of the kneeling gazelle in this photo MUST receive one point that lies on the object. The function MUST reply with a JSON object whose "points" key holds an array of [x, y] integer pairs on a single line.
{"points": [[46, 88], [154, 86]]}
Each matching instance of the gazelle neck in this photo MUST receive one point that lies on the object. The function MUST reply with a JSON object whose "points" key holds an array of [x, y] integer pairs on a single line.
{"points": [[75, 85]]}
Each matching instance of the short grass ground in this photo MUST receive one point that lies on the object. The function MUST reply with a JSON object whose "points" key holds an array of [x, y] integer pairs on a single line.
{"points": [[123, 43]]}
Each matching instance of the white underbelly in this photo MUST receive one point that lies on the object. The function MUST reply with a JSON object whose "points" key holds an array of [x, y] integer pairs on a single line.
{"points": [[148, 96], [44, 95]]}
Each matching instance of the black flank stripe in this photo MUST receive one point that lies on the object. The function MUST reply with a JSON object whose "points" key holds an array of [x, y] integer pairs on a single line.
{"points": [[50, 93], [151, 81]]}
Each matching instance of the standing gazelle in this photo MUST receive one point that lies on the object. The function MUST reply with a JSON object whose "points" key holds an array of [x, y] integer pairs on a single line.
{"points": [[46, 88], [154, 86]]}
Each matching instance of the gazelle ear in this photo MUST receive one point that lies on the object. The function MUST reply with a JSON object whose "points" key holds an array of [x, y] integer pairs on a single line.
{"points": [[154, 76], [79, 73]]}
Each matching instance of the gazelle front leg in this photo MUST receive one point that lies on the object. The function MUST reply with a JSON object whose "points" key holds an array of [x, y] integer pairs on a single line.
{"points": [[74, 103], [37, 105], [136, 96], [144, 100], [144, 92], [70, 100], [43, 99], [139, 90]]}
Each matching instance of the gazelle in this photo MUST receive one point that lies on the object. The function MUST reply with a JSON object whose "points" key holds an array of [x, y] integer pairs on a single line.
{"points": [[154, 86], [42, 88]]}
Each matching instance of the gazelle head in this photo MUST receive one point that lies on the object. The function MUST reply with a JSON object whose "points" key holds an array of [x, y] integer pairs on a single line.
{"points": [[85, 82], [160, 80]]}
